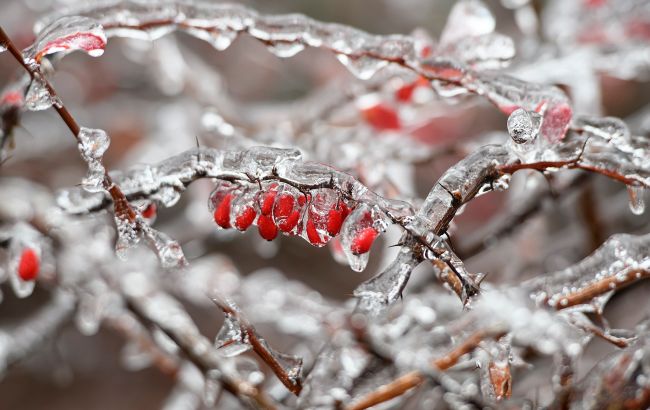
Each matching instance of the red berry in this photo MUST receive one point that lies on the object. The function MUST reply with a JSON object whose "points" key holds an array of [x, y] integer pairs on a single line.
{"points": [[382, 117], [267, 228], [289, 223], [312, 234], [150, 211], [245, 218], [267, 202], [283, 206], [363, 240], [405, 92], [222, 213], [334, 221], [28, 266]]}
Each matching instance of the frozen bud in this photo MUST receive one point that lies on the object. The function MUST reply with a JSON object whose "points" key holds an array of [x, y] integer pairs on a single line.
{"points": [[523, 126]]}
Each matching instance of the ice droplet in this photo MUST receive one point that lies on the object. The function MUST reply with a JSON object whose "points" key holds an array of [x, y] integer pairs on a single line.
{"points": [[94, 180], [523, 126], [93, 143], [285, 49], [231, 341], [89, 315], [637, 203], [362, 67], [357, 237], [38, 98], [220, 40]]}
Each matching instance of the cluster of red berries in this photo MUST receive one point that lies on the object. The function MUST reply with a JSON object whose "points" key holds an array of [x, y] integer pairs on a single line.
{"points": [[279, 208]]}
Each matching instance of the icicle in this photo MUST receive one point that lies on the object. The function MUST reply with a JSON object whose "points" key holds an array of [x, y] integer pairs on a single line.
{"points": [[230, 340], [168, 250], [219, 39], [379, 292], [362, 67], [285, 49], [357, 236], [637, 203]]}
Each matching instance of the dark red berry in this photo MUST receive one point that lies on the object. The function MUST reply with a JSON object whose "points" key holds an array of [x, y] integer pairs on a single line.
{"points": [[363, 240], [267, 228], [245, 218], [222, 212], [28, 266]]}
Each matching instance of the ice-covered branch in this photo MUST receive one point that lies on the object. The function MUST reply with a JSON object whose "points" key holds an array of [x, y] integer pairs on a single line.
{"points": [[159, 309], [413, 379], [18, 342], [587, 286]]}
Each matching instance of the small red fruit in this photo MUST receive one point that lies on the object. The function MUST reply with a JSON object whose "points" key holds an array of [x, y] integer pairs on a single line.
{"points": [[382, 117], [245, 218], [334, 221], [312, 234], [222, 213], [289, 223], [150, 211], [267, 201], [363, 240], [283, 206], [28, 266], [267, 228]]}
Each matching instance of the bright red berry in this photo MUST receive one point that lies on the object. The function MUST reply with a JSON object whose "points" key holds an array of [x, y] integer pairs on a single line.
{"points": [[245, 218], [267, 228], [334, 221], [267, 201], [363, 240], [289, 223], [150, 211], [222, 212], [312, 234], [382, 117], [283, 206], [28, 266]]}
